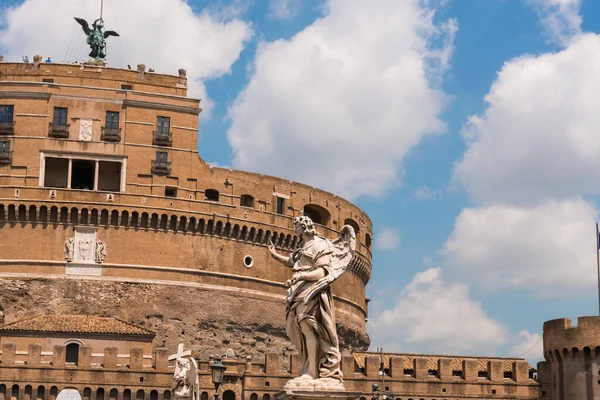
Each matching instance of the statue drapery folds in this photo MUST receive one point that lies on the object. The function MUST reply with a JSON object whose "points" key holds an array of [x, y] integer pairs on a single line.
{"points": [[316, 264]]}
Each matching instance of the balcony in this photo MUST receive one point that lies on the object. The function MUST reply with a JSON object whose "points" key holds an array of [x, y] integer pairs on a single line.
{"points": [[7, 128], [58, 131], [5, 157], [110, 135], [162, 138], [161, 167]]}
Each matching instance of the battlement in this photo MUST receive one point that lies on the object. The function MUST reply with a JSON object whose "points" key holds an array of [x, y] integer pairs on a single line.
{"points": [[563, 339]]}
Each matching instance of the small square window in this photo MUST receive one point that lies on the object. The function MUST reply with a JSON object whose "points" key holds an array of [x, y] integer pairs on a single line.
{"points": [[170, 191], [267, 383]]}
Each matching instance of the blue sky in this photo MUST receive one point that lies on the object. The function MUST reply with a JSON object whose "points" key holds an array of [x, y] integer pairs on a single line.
{"points": [[464, 128]]}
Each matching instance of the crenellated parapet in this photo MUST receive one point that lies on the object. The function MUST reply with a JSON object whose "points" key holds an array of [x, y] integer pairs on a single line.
{"points": [[563, 340]]}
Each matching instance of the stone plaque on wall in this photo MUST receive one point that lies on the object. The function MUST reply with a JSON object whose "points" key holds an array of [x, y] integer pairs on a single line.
{"points": [[80, 252], [85, 130]]}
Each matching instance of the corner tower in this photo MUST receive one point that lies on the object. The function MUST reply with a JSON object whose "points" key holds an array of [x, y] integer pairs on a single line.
{"points": [[106, 209], [571, 370]]}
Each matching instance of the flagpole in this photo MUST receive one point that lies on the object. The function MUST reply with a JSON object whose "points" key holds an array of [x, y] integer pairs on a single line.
{"points": [[598, 264]]}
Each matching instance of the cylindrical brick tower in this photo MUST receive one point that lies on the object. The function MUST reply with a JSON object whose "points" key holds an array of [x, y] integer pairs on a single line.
{"points": [[572, 353], [107, 209]]}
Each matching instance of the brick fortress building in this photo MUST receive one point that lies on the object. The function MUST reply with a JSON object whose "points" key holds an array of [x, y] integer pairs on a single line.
{"points": [[117, 243]]}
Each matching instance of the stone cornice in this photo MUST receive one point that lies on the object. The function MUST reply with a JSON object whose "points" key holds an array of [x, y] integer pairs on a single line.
{"points": [[9, 94], [160, 106]]}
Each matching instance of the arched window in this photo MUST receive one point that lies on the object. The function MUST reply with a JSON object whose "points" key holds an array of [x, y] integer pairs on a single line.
{"points": [[41, 393], [266, 396], [72, 353], [204, 396], [127, 394], [318, 214], [368, 241], [100, 394], [14, 392], [253, 396], [246, 201], [229, 395], [154, 395], [2, 392], [352, 223], [53, 393], [140, 395], [113, 394], [87, 393], [211, 195], [28, 392], [167, 395]]}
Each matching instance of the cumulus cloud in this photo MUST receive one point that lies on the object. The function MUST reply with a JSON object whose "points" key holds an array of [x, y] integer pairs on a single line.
{"points": [[284, 9], [433, 316], [548, 249], [529, 346], [340, 104], [387, 239], [163, 34], [538, 137], [560, 19]]}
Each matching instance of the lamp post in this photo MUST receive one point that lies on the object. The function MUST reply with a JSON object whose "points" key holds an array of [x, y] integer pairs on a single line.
{"points": [[384, 396], [217, 370]]}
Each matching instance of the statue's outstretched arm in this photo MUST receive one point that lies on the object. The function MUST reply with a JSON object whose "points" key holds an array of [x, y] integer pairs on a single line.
{"points": [[309, 276], [287, 261]]}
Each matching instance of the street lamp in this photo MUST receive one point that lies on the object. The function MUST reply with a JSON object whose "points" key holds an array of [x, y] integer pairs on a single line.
{"points": [[217, 370]]}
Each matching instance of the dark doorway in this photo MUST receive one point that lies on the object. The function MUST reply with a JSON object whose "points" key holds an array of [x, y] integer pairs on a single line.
{"points": [[82, 175], [72, 353], [229, 395]]}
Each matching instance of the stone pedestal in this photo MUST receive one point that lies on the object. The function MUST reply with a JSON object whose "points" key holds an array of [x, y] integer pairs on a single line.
{"points": [[316, 395]]}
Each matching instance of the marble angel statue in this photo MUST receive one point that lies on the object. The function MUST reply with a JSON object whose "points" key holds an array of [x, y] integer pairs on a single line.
{"points": [[316, 264], [185, 379]]}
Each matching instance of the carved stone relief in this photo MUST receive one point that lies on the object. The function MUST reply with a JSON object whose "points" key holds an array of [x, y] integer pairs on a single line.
{"points": [[85, 130]]}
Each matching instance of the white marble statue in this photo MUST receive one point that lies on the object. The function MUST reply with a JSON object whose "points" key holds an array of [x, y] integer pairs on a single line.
{"points": [[310, 315], [100, 251], [69, 249], [185, 379]]}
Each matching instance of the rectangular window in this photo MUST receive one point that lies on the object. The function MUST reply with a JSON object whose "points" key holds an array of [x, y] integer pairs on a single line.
{"points": [[163, 125], [60, 116], [48, 80], [280, 205], [126, 87], [482, 374], [4, 147], [112, 120], [161, 157], [170, 191], [6, 114]]}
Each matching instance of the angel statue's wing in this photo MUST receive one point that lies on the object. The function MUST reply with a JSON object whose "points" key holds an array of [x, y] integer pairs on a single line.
{"points": [[110, 33], [195, 394], [343, 251], [84, 25]]}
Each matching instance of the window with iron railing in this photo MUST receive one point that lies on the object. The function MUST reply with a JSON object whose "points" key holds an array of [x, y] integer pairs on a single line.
{"points": [[5, 153], [161, 165], [111, 131], [162, 134], [58, 127], [7, 123]]}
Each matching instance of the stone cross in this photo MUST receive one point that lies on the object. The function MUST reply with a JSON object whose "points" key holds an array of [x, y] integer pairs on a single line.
{"points": [[180, 353]]}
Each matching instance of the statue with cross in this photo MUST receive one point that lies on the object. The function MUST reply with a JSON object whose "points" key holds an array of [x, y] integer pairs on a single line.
{"points": [[185, 378]]}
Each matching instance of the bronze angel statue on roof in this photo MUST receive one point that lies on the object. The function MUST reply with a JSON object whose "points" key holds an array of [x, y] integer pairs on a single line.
{"points": [[316, 264], [96, 37]]}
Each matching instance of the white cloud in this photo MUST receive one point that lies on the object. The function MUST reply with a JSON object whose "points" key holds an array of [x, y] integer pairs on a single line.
{"points": [[548, 249], [529, 346], [340, 104], [163, 34], [538, 138], [426, 193], [284, 9], [433, 316], [387, 239], [560, 19]]}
